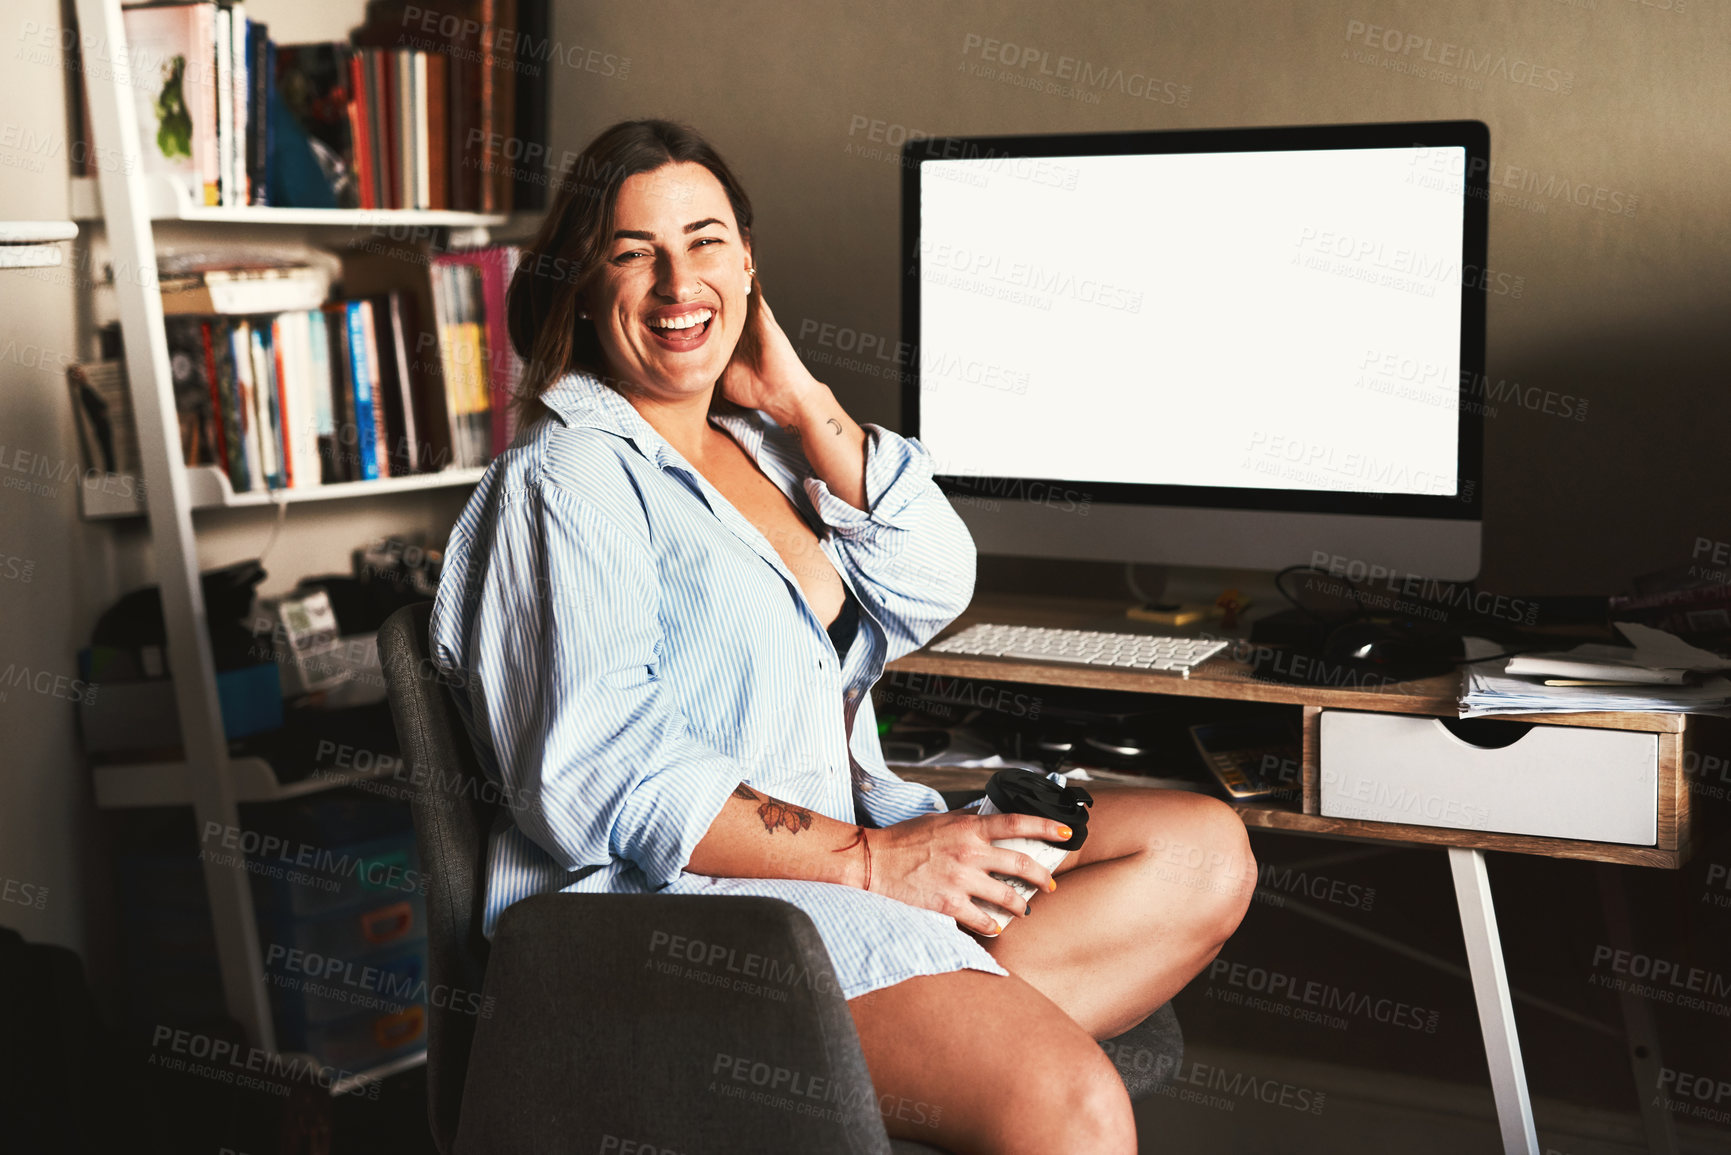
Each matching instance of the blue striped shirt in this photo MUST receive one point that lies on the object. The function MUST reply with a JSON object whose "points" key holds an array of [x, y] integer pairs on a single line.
{"points": [[630, 648]]}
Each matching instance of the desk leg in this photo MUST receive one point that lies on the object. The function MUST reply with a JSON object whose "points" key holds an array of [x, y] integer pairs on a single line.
{"points": [[1496, 1009]]}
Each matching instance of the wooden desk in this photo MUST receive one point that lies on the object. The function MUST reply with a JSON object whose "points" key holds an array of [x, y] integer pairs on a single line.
{"points": [[1228, 678]]}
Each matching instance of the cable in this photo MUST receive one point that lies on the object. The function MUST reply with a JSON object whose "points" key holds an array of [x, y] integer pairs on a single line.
{"points": [[279, 498], [1135, 590]]}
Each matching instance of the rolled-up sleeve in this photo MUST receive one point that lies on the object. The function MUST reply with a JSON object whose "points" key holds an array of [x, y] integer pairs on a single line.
{"points": [[563, 676], [912, 558]]}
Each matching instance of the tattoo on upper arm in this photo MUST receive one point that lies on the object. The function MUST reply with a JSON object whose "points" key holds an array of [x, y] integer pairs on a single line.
{"points": [[774, 814], [837, 425], [744, 791]]}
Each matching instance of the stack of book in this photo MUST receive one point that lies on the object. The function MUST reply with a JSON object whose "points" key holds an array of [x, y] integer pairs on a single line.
{"points": [[103, 410], [429, 108], [409, 371], [202, 82], [1657, 672]]}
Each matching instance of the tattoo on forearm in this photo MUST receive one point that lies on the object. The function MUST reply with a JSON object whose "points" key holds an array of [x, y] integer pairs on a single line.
{"points": [[837, 425], [775, 814], [744, 791]]}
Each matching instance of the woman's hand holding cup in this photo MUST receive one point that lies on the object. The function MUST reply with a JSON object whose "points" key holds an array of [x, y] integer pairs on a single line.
{"points": [[943, 862]]}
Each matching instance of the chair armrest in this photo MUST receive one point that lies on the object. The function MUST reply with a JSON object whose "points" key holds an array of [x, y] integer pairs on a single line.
{"points": [[675, 1022]]}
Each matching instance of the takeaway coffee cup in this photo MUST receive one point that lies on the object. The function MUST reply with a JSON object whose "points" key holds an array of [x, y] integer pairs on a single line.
{"points": [[1016, 791]]}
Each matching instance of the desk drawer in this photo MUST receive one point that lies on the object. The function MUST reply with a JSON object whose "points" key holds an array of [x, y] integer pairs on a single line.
{"points": [[1552, 781]]}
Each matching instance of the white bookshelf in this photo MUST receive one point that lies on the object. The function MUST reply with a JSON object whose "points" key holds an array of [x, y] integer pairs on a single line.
{"points": [[124, 201], [165, 200], [34, 244], [121, 786], [208, 488]]}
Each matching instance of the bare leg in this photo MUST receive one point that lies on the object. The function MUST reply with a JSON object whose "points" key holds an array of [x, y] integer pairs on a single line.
{"points": [[980, 1063], [1145, 904]]}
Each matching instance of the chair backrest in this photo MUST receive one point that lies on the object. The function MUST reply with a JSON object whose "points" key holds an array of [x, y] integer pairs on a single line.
{"points": [[453, 812]]}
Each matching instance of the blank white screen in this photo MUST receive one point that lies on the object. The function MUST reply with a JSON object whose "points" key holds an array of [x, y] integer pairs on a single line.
{"points": [[1280, 320]]}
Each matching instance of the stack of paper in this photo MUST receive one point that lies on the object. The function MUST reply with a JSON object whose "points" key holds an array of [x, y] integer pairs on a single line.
{"points": [[1656, 672]]}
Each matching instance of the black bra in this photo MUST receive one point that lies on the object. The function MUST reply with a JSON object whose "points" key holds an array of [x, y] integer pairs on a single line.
{"points": [[845, 626]]}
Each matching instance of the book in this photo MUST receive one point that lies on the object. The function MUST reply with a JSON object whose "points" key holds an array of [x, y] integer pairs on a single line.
{"points": [[246, 404], [102, 408], [396, 392], [245, 290], [438, 131], [223, 48], [261, 83], [375, 406], [240, 76], [422, 133], [237, 451], [279, 338], [317, 96], [500, 16], [361, 132], [485, 52], [390, 142], [502, 368], [403, 74], [304, 381], [463, 351], [319, 387], [534, 23], [173, 48], [360, 380], [345, 454], [187, 371], [266, 415], [406, 268], [219, 417]]}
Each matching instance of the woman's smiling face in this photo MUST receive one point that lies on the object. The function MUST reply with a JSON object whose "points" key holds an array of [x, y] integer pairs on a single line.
{"points": [[669, 299]]}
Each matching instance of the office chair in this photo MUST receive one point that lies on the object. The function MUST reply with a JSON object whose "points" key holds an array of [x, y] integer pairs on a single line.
{"points": [[579, 1028]]}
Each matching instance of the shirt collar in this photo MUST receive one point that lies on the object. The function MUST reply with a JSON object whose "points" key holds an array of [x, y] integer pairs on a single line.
{"points": [[583, 399]]}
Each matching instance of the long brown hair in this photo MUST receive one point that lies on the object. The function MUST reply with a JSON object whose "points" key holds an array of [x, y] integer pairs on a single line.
{"points": [[542, 305]]}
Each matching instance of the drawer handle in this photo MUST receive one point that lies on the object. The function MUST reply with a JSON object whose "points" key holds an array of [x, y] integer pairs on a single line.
{"points": [[387, 923], [1486, 733]]}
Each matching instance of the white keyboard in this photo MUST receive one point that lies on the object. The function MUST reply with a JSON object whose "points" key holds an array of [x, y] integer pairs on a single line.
{"points": [[1145, 652]]}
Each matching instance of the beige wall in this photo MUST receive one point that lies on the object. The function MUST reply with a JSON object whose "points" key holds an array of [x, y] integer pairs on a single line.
{"points": [[1625, 311]]}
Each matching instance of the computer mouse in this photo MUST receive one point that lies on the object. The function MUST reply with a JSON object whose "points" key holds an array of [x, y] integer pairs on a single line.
{"points": [[1394, 646]]}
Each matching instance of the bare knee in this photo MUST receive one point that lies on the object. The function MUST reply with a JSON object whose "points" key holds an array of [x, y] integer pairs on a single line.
{"points": [[1206, 846], [1085, 1110]]}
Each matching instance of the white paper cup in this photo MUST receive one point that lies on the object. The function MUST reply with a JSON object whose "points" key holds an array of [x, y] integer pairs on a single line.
{"points": [[1047, 854]]}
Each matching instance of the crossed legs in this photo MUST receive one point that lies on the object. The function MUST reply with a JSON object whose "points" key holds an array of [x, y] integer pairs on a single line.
{"points": [[1012, 1065]]}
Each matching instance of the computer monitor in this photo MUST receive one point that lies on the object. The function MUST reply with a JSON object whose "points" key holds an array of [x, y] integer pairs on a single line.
{"points": [[1231, 348]]}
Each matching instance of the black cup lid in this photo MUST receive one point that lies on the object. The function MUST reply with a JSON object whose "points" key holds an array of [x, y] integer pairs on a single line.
{"points": [[1014, 790]]}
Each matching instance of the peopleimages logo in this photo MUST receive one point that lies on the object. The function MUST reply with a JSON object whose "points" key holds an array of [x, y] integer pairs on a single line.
{"points": [[1324, 997], [1415, 48], [1077, 75], [261, 850]]}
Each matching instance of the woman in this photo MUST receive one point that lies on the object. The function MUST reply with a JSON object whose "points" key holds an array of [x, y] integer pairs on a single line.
{"points": [[668, 601]]}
